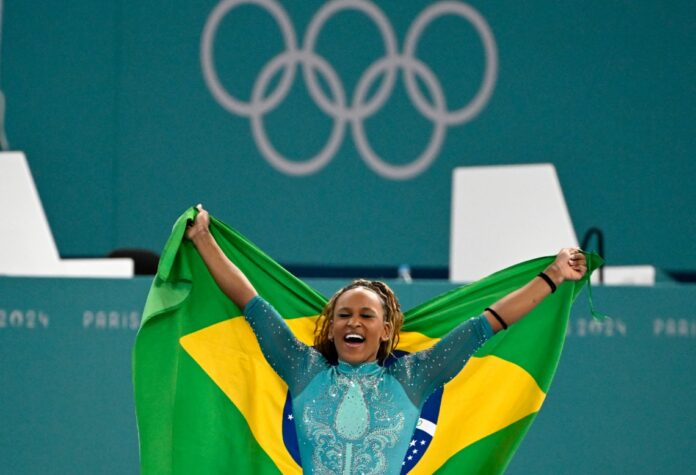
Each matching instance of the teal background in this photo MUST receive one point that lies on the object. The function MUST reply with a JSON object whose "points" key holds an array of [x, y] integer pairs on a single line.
{"points": [[622, 400], [108, 101]]}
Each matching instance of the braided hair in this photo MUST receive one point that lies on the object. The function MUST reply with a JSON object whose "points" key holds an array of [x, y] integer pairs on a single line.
{"points": [[392, 316]]}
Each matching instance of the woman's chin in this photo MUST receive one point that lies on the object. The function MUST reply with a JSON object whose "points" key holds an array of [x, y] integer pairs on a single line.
{"points": [[355, 356]]}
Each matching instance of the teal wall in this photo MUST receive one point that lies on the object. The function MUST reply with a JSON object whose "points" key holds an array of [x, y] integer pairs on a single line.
{"points": [[622, 400], [109, 101]]}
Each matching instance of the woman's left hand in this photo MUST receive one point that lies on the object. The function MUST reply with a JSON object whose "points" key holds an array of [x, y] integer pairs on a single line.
{"points": [[570, 264]]}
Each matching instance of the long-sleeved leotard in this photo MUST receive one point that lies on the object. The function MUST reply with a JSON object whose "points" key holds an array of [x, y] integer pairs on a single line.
{"points": [[358, 418]]}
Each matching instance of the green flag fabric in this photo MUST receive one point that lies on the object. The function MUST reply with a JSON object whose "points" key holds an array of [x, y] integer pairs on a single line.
{"points": [[208, 402]]}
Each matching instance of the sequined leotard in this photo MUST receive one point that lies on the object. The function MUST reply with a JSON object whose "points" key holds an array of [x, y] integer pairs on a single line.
{"points": [[358, 419]]}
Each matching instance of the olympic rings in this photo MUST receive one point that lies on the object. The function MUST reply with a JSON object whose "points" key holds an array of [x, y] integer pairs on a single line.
{"points": [[339, 107]]}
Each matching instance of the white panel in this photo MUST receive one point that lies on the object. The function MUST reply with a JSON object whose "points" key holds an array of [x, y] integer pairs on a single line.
{"points": [[78, 268], [643, 275], [26, 242], [27, 247], [502, 215]]}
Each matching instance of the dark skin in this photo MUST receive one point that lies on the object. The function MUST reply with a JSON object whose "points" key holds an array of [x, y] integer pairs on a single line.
{"points": [[570, 264]]}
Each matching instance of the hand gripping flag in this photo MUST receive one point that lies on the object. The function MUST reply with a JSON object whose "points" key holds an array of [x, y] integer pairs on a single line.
{"points": [[208, 402]]}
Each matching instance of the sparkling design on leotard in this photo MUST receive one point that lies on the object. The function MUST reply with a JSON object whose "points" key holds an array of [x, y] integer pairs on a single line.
{"points": [[358, 419], [353, 422]]}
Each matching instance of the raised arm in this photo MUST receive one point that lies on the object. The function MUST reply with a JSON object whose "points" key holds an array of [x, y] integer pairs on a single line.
{"points": [[570, 264], [229, 278], [295, 362], [420, 373]]}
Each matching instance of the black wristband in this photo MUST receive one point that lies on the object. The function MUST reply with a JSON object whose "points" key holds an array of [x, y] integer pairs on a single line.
{"points": [[497, 317], [548, 281]]}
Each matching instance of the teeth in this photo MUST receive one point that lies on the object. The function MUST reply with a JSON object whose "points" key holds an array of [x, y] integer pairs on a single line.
{"points": [[354, 338]]}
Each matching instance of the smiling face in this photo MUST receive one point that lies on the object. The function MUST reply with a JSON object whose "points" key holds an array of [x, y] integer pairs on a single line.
{"points": [[358, 327]]}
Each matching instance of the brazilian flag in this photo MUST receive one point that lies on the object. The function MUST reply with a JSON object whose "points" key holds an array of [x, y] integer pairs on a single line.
{"points": [[208, 402]]}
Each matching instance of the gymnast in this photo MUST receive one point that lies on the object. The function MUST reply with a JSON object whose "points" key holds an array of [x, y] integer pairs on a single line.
{"points": [[352, 414]]}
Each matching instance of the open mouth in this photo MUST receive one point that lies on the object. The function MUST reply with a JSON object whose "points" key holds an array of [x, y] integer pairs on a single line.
{"points": [[353, 339]]}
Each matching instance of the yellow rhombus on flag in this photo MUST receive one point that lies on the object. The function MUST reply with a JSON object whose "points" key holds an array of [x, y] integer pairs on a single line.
{"points": [[208, 402]]}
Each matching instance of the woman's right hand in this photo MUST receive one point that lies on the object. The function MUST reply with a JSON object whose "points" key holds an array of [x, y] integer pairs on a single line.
{"points": [[200, 226], [227, 275]]}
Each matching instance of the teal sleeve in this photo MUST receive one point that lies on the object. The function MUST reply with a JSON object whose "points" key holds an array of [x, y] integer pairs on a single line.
{"points": [[422, 372], [295, 362]]}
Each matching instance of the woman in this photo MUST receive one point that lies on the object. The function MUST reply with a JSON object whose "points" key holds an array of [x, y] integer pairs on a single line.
{"points": [[352, 414]]}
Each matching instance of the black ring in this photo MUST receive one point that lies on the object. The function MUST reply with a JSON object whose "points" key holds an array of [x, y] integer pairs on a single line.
{"points": [[497, 317], [548, 281]]}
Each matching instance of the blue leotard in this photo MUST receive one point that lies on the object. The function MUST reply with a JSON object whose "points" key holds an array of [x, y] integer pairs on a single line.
{"points": [[358, 419]]}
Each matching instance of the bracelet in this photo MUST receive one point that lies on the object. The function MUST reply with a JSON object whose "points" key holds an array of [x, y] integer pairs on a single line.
{"points": [[548, 281], [497, 317]]}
